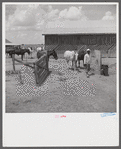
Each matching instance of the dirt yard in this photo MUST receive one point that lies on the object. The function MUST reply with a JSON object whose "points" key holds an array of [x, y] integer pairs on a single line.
{"points": [[64, 90]]}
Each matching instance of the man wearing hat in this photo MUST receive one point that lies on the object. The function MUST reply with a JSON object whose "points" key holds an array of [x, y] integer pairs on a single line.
{"points": [[87, 60]]}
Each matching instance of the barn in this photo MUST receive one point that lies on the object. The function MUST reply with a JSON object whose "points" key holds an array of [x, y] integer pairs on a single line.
{"points": [[9, 45], [71, 39]]}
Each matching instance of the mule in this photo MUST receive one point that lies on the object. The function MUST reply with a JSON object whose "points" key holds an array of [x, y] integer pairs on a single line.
{"points": [[48, 53], [19, 52], [80, 57], [70, 56]]}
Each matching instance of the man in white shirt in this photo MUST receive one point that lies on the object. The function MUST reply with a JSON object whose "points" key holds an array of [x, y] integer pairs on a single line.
{"points": [[87, 60]]}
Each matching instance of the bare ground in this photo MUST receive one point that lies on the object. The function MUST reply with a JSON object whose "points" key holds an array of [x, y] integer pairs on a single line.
{"points": [[64, 90]]}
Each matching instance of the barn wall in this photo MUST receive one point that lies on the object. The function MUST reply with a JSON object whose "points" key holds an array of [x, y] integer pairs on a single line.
{"points": [[104, 42], [90, 39]]}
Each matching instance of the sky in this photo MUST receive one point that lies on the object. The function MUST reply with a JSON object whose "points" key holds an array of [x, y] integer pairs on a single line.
{"points": [[25, 23]]}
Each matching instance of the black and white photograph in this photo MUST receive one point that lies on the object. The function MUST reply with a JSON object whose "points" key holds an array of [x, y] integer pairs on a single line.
{"points": [[60, 60]]}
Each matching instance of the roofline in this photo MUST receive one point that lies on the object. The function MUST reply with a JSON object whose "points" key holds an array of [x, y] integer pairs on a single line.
{"points": [[77, 33], [12, 44]]}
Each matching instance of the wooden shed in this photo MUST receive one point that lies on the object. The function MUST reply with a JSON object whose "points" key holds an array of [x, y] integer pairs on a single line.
{"points": [[63, 40]]}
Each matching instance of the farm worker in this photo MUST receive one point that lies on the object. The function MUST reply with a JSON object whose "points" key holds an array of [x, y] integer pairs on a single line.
{"points": [[39, 49], [30, 49], [87, 60]]}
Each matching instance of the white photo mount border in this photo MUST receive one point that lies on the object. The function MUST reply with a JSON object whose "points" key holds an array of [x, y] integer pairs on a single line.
{"points": [[60, 129]]}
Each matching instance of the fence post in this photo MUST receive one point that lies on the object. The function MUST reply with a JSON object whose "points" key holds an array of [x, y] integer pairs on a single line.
{"points": [[13, 56], [100, 61], [20, 77], [98, 56], [109, 53]]}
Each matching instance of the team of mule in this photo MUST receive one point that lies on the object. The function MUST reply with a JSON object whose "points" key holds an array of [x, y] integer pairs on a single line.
{"points": [[19, 51], [73, 56]]}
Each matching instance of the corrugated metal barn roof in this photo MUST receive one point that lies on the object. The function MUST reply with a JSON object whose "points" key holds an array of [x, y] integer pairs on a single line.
{"points": [[12, 44], [79, 31], [7, 41], [87, 27]]}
